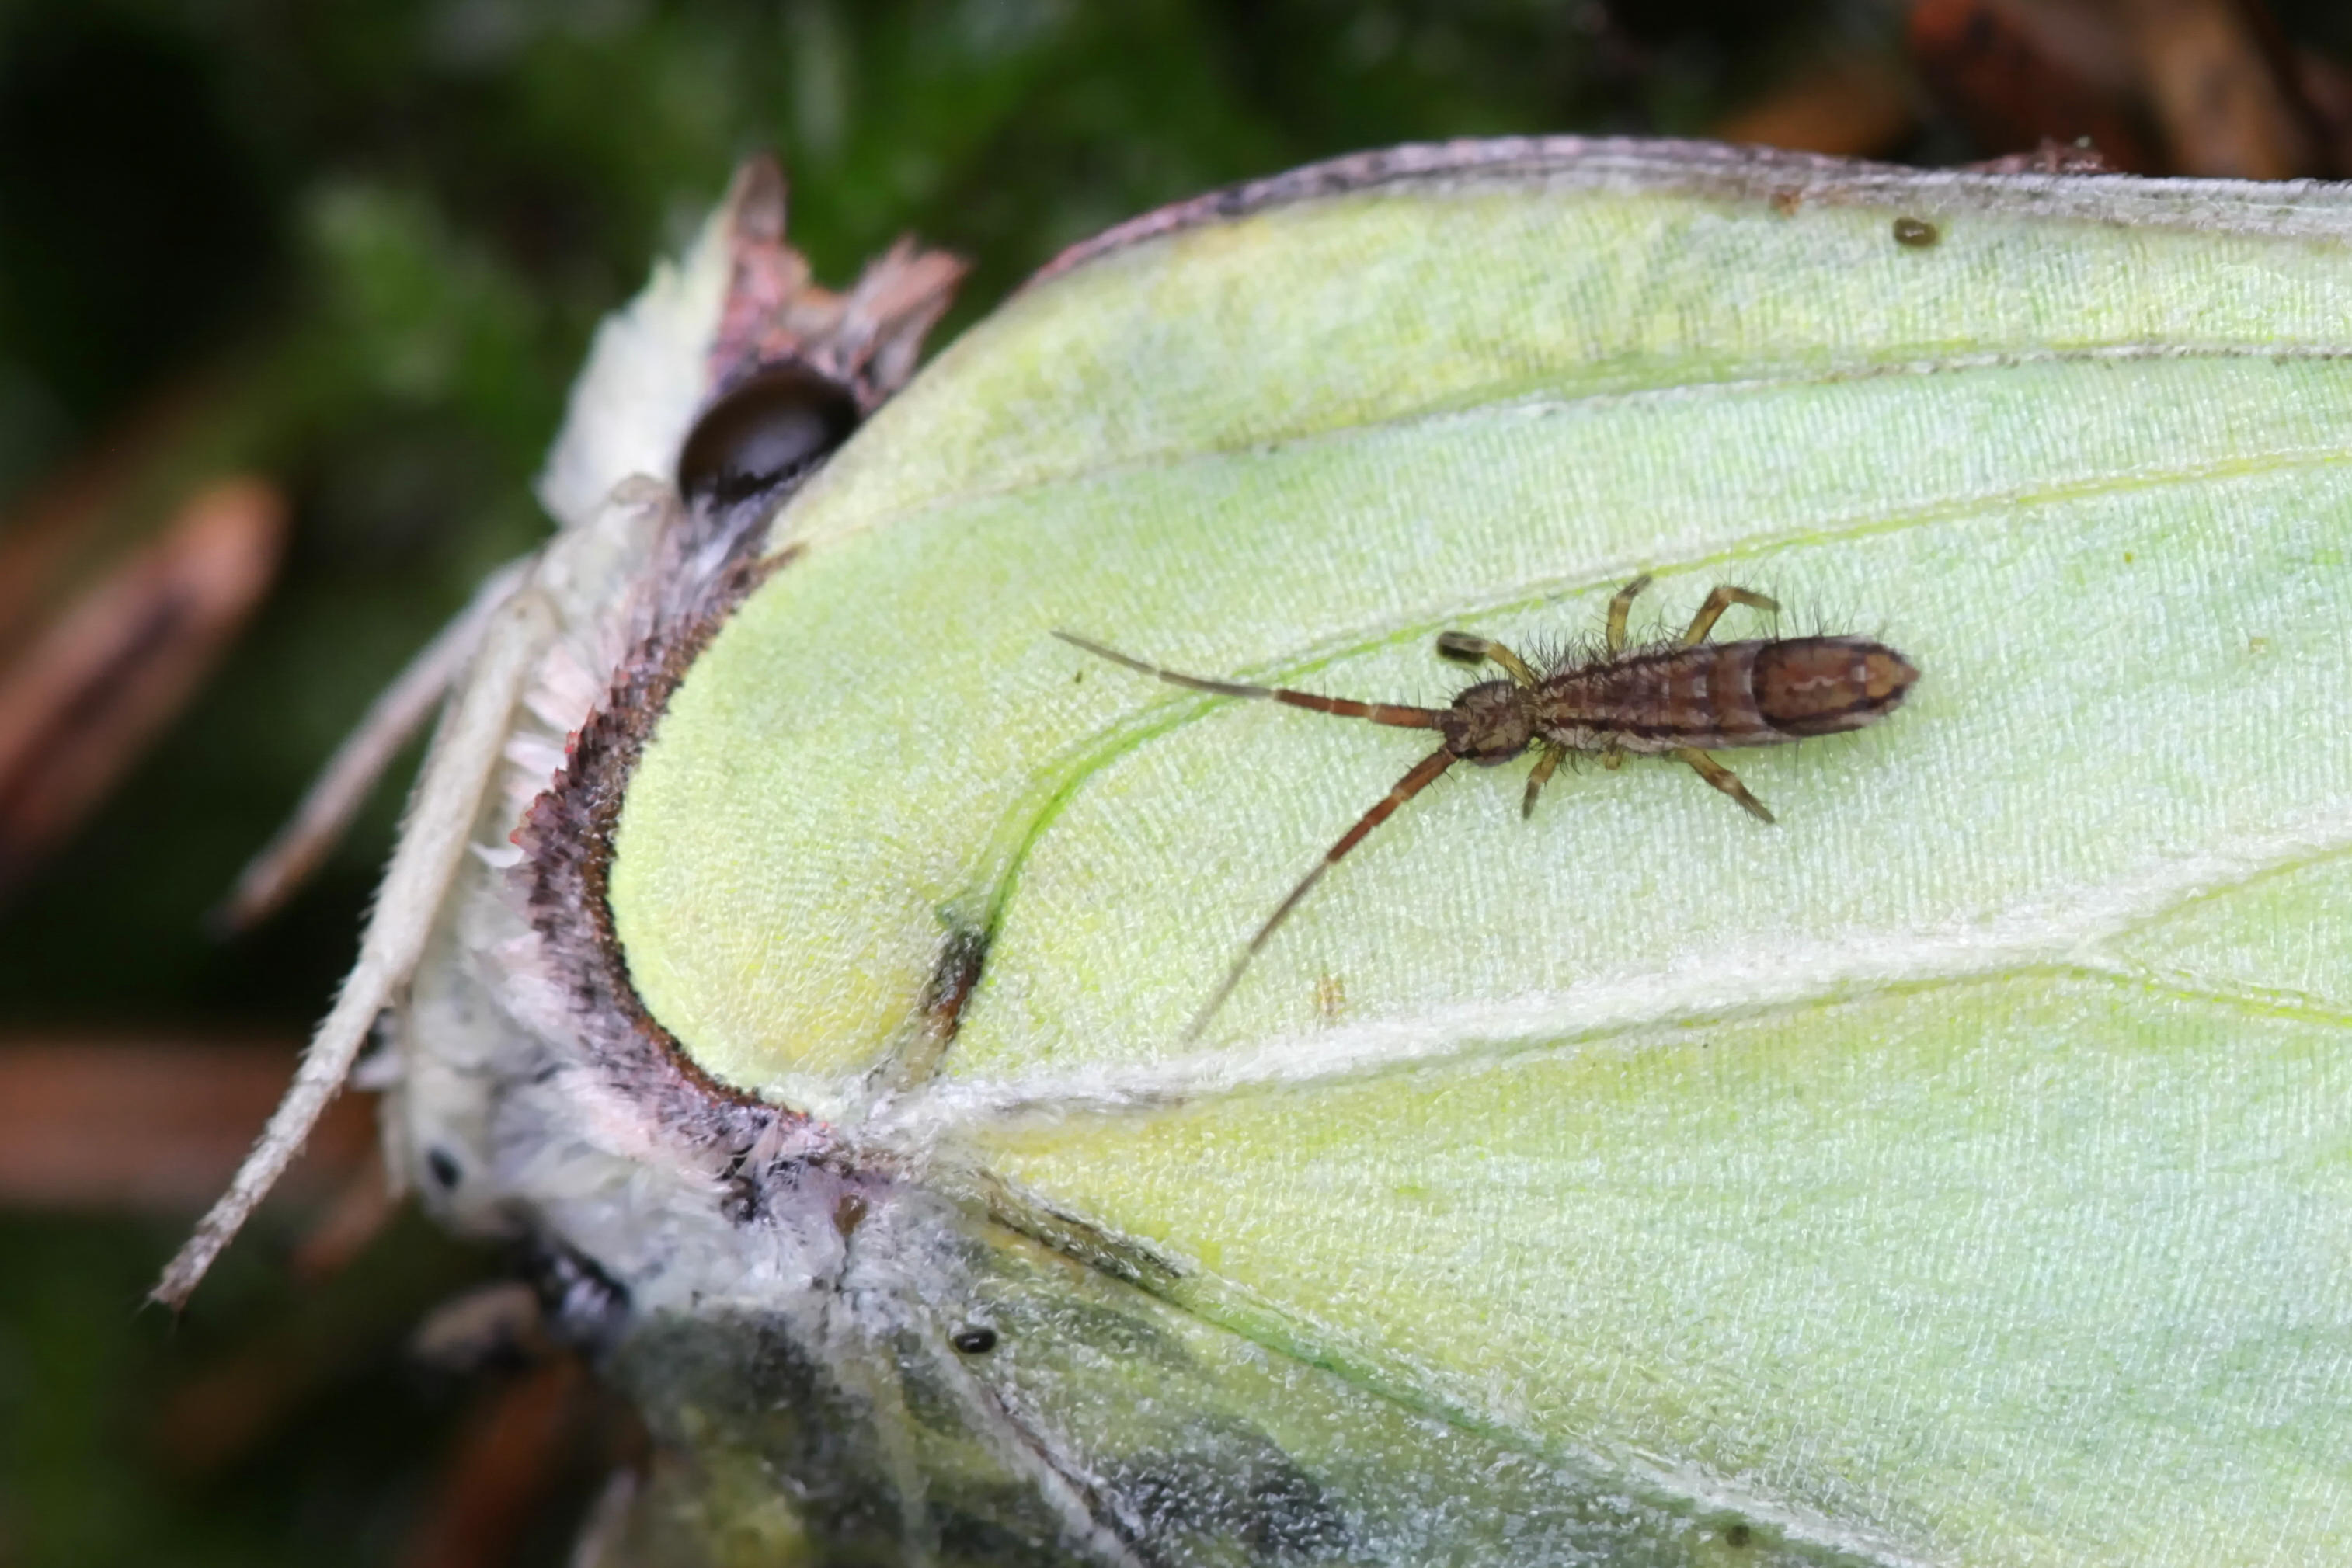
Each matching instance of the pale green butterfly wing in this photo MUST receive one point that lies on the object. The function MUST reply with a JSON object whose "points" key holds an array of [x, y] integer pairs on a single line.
{"points": [[1957, 1171]]}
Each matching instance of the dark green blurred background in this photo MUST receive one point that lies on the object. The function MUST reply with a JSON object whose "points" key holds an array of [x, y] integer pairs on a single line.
{"points": [[365, 243]]}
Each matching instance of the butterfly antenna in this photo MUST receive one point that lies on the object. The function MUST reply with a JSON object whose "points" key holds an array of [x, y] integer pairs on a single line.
{"points": [[1423, 773], [1395, 715]]}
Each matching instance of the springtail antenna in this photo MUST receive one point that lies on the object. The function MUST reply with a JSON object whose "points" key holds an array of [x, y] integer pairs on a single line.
{"points": [[1392, 713], [1395, 715]]}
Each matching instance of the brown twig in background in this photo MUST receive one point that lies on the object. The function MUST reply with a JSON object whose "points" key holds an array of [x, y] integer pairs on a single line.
{"points": [[1855, 105], [2159, 87], [358, 1214], [2220, 88], [152, 1127], [2020, 74], [505, 1462], [66, 533], [2326, 90], [83, 697]]}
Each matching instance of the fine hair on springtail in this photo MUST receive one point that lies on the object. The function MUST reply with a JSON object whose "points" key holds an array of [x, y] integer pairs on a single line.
{"points": [[1681, 699]]}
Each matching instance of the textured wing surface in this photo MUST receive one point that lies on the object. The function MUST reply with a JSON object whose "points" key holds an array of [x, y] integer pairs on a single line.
{"points": [[1961, 1165]]}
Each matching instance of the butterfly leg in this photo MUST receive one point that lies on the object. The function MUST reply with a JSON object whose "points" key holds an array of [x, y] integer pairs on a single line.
{"points": [[1723, 778], [1724, 597]]}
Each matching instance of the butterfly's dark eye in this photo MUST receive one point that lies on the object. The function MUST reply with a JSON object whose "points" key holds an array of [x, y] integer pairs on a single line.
{"points": [[765, 430]]}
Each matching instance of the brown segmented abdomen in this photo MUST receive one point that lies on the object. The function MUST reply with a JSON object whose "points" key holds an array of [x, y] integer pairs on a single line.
{"points": [[1820, 685], [1721, 694]]}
